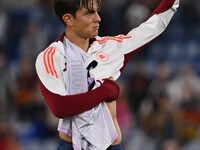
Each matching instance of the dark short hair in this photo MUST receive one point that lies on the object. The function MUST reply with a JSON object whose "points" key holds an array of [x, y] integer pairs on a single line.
{"points": [[62, 7]]}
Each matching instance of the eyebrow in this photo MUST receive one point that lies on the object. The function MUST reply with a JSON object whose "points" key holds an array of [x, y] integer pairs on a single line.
{"points": [[91, 11]]}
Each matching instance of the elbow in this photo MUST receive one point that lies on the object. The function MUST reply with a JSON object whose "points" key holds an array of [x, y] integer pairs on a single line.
{"points": [[66, 112], [55, 102], [60, 113], [59, 110]]}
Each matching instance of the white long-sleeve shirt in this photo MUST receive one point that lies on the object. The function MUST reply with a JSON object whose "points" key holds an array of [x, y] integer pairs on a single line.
{"points": [[111, 53]]}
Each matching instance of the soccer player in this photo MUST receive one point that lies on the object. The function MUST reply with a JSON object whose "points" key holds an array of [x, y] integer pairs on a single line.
{"points": [[77, 72]]}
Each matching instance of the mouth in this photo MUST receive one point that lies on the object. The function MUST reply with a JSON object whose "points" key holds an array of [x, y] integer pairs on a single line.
{"points": [[96, 27]]}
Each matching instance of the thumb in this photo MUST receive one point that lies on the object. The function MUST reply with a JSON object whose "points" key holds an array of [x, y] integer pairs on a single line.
{"points": [[111, 78]]}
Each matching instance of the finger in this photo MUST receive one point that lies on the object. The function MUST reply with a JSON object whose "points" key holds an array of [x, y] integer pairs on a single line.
{"points": [[111, 78]]}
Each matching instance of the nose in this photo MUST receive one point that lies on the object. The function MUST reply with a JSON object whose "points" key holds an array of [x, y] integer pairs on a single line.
{"points": [[97, 17]]}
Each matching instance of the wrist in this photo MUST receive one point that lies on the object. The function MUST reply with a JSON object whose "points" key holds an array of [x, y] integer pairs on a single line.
{"points": [[111, 89]]}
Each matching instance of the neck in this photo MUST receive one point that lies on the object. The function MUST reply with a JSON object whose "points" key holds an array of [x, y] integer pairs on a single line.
{"points": [[83, 43]]}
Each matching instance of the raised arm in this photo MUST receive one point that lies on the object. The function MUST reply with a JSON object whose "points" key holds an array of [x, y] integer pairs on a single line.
{"points": [[149, 30]]}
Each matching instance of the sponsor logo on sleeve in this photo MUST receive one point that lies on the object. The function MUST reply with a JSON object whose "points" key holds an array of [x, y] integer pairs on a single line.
{"points": [[102, 56]]}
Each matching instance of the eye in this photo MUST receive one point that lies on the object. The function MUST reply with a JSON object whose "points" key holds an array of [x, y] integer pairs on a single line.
{"points": [[91, 11]]}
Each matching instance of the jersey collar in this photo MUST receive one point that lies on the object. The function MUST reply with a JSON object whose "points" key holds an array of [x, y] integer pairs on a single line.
{"points": [[94, 45]]}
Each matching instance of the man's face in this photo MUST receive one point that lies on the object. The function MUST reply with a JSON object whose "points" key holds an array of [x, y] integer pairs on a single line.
{"points": [[86, 23]]}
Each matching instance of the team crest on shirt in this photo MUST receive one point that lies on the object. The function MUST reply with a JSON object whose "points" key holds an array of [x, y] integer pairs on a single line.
{"points": [[102, 56]]}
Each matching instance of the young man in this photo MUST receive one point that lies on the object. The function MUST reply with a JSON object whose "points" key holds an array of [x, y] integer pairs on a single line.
{"points": [[77, 73]]}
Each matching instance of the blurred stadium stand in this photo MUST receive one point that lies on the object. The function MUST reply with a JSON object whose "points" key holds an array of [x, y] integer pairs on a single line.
{"points": [[159, 103]]}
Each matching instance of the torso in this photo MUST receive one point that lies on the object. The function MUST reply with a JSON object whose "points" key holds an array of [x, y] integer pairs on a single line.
{"points": [[112, 109]]}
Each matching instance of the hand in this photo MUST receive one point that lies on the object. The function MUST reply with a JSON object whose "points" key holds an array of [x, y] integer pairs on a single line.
{"points": [[111, 78], [112, 89]]}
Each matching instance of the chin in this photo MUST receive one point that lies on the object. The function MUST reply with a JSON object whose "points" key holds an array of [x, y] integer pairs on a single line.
{"points": [[96, 34], [93, 36]]}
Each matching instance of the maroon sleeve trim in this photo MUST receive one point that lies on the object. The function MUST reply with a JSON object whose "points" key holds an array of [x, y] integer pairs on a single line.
{"points": [[70, 105], [164, 6]]}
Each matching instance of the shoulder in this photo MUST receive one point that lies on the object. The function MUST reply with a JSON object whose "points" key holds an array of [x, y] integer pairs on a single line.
{"points": [[56, 49], [50, 57], [50, 65]]}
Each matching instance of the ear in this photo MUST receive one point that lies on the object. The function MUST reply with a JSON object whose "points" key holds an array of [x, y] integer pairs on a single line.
{"points": [[68, 19]]}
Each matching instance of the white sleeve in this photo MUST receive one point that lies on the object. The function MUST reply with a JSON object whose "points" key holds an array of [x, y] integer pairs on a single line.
{"points": [[149, 30], [49, 67]]}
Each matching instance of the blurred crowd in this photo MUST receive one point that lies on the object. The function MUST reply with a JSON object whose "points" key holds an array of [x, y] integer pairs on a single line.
{"points": [[159, 103]]}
